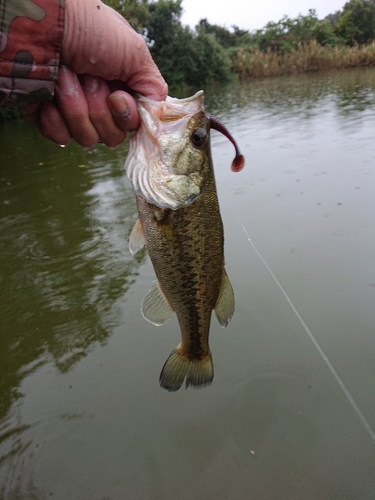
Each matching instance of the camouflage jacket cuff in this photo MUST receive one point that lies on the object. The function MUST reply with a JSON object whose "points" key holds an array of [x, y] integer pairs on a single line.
{"points": [[30, 43]]}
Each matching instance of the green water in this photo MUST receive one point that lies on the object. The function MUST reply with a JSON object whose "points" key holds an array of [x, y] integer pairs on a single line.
{"points": [[291, 412]]}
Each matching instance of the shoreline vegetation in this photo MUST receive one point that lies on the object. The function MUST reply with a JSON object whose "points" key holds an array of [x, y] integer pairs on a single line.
{"points": [[210, 53], [192, 58], [251, 63]]}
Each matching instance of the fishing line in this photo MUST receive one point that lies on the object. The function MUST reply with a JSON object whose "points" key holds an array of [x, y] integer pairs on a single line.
{"points": [[336, 376]]}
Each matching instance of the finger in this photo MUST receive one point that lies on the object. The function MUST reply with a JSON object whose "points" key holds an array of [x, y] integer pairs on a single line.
{"points": [[96, 92], [124, 110], [52, 125], [74, 109], [48, 120]]}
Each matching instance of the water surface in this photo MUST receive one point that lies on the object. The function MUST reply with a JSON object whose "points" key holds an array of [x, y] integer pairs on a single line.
{"points": [[291, 411]]}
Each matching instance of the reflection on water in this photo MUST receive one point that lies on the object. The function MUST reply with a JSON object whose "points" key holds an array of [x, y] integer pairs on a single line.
{"points": [[81, 413], [303, 96], [65, 219]]}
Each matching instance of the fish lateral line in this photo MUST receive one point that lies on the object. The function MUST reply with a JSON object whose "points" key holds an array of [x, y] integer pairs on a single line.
{"points": [[239, 160]]}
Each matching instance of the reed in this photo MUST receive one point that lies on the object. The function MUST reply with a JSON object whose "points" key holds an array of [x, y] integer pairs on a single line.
{"points": [[249, 63]]}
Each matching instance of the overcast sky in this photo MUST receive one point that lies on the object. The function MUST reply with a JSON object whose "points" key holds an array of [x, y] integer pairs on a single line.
{"points": [[249, 14]]}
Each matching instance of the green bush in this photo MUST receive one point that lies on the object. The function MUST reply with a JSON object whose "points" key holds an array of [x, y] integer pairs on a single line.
{"points": [[184, 56], [357, 22]]}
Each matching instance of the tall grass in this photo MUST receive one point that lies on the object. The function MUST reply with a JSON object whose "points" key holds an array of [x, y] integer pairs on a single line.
{"points": [[248, 62]]}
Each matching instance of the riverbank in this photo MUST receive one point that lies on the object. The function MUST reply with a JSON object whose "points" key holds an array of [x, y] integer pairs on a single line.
{"points": [[250, 63]]}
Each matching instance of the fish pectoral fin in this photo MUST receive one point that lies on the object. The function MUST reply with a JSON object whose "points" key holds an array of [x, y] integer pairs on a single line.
{"points": [[224, 307], [155, 306], [137, 238]]}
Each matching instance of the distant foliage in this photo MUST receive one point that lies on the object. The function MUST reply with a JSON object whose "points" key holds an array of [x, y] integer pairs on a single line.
{"points": [[254, 63], [288, 34], [9, 114], [212, 53], [356, 24], [136, 12], [184, 56], [225, 37]]}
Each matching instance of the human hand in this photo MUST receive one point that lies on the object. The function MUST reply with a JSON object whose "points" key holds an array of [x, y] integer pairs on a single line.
{"points": [[102, 57]]}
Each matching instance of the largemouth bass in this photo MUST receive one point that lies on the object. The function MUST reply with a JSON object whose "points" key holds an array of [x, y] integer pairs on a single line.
{"points": [[170, 167]]}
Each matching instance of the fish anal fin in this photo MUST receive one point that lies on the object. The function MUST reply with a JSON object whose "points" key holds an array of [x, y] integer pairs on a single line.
{"points": [[137, 238], [198, 372], [224, 307], [155, 307]]}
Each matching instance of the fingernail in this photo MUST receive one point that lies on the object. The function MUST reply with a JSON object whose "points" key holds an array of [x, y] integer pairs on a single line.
{"points": [[67, 81], [90, 82], [119, 106]]}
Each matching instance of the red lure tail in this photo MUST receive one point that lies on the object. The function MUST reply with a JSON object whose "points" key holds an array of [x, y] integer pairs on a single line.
{"points": [[239, 160]]}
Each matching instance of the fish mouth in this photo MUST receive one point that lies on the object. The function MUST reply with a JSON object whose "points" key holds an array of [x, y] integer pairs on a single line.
{"points": [[154, 163], [176, 102]]}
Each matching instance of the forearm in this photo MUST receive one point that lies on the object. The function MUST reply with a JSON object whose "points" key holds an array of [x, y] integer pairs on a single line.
{"points": [[31, 34]]}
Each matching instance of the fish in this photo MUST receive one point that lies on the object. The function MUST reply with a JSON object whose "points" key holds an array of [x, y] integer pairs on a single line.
{"points": [[170, 167]]}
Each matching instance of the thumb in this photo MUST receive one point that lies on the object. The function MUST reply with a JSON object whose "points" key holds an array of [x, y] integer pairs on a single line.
{"points": [[124, 111]]}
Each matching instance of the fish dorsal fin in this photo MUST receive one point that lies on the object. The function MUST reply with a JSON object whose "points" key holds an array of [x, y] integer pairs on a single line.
{"points": [[137, 238], [155, 307], [224, 307]]}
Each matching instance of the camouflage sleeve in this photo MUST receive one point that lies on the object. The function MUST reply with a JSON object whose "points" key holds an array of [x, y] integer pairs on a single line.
{"points": [[31, 33]]}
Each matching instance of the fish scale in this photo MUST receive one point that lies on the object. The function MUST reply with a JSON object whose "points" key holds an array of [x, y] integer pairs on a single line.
{"points": [[180, 223], [186, 250]]}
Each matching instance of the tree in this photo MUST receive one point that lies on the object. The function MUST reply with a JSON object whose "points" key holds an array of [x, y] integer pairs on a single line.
{"points": [[357, 22], [225, 37], [164, 24], [183, 56], [212, 61], [136, 12], [288, 34], [191, 59]]}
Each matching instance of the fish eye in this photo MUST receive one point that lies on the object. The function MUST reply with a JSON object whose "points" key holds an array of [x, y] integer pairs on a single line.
{"points": [[198, 137]]}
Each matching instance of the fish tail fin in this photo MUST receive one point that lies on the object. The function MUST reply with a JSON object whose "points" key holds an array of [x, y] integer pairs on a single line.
{"points": [[198, 372]]}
